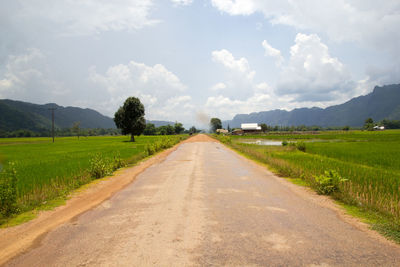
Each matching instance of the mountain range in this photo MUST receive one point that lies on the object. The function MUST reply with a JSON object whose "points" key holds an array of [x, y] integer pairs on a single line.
{"points": [[382, 103], [18, 115]]}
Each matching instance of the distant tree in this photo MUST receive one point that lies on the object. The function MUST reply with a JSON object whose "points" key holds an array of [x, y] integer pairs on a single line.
{"points": [[162, 130], [170, 129], [76, 128], [150, 129], [369, 120], [228, 128], [84, 132], [130, 117], [178, 128], [215, 124], [346, 128], [369, 124], [391, 124], [192, 130], [264, 127]]}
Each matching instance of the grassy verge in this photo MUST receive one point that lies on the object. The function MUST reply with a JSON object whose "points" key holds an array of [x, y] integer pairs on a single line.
{"points": [[37, 173], [361, 170]]}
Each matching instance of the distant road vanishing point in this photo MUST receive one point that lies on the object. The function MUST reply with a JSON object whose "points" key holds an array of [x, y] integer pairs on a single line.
{"points": [[205, 205]]}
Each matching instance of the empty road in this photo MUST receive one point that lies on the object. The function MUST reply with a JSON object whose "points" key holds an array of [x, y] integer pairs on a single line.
{"points": [[205, 205]]}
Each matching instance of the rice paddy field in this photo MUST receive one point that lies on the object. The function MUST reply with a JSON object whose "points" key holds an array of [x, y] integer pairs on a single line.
{"points": [[46, 170], [369, 161]]}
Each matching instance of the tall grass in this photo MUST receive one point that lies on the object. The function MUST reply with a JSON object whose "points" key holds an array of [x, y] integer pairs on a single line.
{"points": [[46, 170]]}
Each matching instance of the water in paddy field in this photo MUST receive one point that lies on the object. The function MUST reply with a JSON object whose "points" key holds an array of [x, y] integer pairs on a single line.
{"points": [[263, 142]]}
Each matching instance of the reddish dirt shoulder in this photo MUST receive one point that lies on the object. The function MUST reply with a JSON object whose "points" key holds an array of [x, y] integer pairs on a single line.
{"points": [[200, 138]]}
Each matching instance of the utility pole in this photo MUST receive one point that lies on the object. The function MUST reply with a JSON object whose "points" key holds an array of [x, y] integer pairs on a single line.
{"points": [[52, 121]]}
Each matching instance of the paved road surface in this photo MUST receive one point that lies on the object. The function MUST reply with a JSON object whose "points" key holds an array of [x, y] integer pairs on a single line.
{"points": [[204, 206]]}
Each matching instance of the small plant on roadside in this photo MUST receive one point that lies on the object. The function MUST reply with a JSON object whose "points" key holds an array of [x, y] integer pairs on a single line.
{"points": [[224, 139], [99, 167], [150, 150], [284, 143], [8, 190], [117, 162], [328, 182], [301, 146]]}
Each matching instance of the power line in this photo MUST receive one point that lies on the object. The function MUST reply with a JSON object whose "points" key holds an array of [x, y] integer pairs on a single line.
{"points": [[52, 121]]}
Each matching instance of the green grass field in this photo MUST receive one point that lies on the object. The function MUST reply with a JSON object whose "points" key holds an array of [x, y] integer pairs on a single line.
{"points": [[370, 161], [47, 170]]}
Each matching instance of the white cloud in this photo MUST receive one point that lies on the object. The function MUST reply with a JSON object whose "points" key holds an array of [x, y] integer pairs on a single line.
{"points": [[273, 52], [311, 77], [160, 90], [312, 74], [26, 77], [77, 17], [173, 102], [218, 86], [239, 77], [182, 2], [225, 107], [367, 22], [239, 93], [228, 60], [263, 88], [237, 7]]}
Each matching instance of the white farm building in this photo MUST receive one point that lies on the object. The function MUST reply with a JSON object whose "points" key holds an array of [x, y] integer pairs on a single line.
{"points": [[250, 127]]}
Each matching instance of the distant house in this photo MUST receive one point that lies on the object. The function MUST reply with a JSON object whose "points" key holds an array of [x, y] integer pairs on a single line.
{"points": [[379, 128], [222, 131], [250, 128]]}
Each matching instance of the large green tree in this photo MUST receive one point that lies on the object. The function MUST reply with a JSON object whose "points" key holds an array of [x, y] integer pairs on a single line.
{"points": [[215, 124], [130, 117]]}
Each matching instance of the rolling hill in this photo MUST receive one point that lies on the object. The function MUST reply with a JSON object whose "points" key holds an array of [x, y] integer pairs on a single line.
{"points": [[382, 103], [18, 115]]}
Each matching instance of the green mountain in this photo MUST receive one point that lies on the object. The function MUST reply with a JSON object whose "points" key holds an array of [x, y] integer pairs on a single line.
{"points": [[382, 103], [17, 115]]}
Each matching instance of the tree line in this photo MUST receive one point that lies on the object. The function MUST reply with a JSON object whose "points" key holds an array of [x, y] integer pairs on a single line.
{"points": [[129, 119], [215, 123], [59, 132]]}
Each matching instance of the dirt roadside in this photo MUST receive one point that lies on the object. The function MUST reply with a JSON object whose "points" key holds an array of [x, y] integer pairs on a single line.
{"points": [[15, 240]]}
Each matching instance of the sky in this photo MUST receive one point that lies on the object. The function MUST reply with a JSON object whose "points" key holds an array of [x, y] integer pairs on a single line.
{"points": [[190, 60]]}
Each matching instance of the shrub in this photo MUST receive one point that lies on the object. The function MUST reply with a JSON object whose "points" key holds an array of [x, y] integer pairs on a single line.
{"points": [[284, 143], [117, 162], [150, 149], [328, 182], [301, 146], [99, 167], [8, 190], [225, 139]]}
